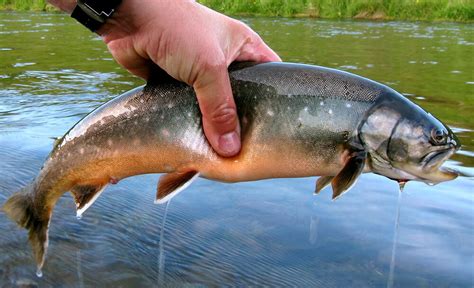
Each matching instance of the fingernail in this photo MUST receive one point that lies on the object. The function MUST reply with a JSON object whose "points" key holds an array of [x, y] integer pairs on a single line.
{"points": [[229, 143]]}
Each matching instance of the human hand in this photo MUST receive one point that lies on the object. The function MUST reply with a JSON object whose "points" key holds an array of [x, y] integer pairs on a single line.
{"points": [[193, 44]]}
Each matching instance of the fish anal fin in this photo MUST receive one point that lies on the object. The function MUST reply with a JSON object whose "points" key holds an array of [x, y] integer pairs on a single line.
{"points": [[322, 182], [85, 196], [347, 177], [171, 184]]}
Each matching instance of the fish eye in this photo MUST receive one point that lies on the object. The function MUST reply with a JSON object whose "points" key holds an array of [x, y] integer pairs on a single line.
{"points": [[439, 136]]}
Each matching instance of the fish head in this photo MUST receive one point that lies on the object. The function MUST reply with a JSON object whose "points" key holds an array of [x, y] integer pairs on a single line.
{"points": [[407, 143]]}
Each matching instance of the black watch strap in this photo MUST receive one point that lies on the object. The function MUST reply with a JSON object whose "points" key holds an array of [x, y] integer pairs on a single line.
{"points": [[94, 13]]}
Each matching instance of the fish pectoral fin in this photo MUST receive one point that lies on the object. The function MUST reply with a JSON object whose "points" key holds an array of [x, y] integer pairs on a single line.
{"points": [[322, 182], [85, 196], [348, 175], [172, 183]]}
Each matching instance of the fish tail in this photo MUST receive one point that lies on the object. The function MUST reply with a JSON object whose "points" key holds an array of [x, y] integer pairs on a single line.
{"points": [[21, 208]]}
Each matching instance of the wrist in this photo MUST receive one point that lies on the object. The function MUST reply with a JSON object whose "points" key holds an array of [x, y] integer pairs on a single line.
{"points": [[94, 13], [134, 15], [120, 22]]}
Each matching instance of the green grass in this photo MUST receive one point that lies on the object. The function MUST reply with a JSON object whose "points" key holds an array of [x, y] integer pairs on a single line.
{"points": [[25, 5], [451, 10]]}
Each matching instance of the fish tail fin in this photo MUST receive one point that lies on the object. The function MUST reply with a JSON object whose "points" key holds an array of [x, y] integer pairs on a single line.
{"points": [[20, 208]]}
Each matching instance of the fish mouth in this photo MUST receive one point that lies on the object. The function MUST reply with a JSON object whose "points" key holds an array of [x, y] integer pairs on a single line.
{"points": [[430, 170], [433, 173], [434, 159]]}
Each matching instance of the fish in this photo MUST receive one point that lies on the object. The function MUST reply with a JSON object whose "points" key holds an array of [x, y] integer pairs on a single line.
{"points": [[296, 120]]}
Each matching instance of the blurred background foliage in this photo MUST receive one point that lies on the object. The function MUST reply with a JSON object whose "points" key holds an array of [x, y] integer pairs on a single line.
{"points": [[440, 10]]}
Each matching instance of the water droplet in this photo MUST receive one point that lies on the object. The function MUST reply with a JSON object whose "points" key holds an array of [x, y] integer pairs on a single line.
{"points": [[39, 273], [395, 236], [401, 184]]}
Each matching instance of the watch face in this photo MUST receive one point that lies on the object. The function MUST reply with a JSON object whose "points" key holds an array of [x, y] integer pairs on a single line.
{"points": [[93, 13], [102, 8]]}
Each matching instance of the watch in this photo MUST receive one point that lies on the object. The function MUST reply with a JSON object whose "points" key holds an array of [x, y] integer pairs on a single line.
{"points": [[94, 13]]}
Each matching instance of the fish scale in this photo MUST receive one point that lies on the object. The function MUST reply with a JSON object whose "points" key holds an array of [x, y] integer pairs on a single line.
{"points": [[297, 121]]}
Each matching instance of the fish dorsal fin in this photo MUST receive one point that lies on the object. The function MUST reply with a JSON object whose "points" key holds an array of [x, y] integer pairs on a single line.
{"points": [[349, 174], [56, 140], [172, 183], [322, 182], [85, 196]]}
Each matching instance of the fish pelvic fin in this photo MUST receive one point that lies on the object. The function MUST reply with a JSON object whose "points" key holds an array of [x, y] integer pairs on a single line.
{"points": [[21, 208], [171, 184], [346, 178], [85, 196], [322, 182]]}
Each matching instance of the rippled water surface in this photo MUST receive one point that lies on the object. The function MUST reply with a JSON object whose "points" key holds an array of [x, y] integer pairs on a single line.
{"points": [[272, 232]]}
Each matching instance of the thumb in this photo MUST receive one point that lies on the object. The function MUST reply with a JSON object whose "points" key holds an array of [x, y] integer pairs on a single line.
{"points": [[219, 114]]}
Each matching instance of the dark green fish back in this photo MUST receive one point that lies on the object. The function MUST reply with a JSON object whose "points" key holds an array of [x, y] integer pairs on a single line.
{"points": [[300, 79]]}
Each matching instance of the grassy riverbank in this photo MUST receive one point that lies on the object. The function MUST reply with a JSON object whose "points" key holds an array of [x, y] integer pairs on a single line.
{"points": [[26, 5], [454, 10], [436, 10]]}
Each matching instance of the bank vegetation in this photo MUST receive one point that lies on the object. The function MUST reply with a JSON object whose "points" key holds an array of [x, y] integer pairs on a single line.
{"points": [[431, 10]]}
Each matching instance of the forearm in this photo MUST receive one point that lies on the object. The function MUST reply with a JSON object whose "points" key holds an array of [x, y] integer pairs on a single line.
{"points": [[64, 5]]}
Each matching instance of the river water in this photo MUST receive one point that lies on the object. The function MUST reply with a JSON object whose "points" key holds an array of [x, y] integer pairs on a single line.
{"points": [[272, 232]]}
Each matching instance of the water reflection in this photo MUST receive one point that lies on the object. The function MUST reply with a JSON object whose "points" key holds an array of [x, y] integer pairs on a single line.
{"points": [[161, 255], [271, 232]]}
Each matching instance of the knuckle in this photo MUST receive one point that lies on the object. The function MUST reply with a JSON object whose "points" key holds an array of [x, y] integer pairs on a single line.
{"points": [[114, 46], [212, 63], [207, 69], [240, 26], [245, 32], [224, 115]]}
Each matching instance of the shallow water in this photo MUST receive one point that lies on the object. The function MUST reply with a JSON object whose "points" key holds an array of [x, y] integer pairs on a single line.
{"points": [[272, 232]]}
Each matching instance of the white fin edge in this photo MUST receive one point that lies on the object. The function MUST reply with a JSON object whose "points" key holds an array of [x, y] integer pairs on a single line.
{"points": [[177, 191], [39, 266], [347, 190], [79, 212]]}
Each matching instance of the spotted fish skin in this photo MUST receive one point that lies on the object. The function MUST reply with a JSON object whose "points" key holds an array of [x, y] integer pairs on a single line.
{"points": [[296, 121], [158, 128]]}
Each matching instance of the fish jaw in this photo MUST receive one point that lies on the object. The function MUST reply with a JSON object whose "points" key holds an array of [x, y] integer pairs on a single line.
{"points": [[441, 174], [430, 170]]}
